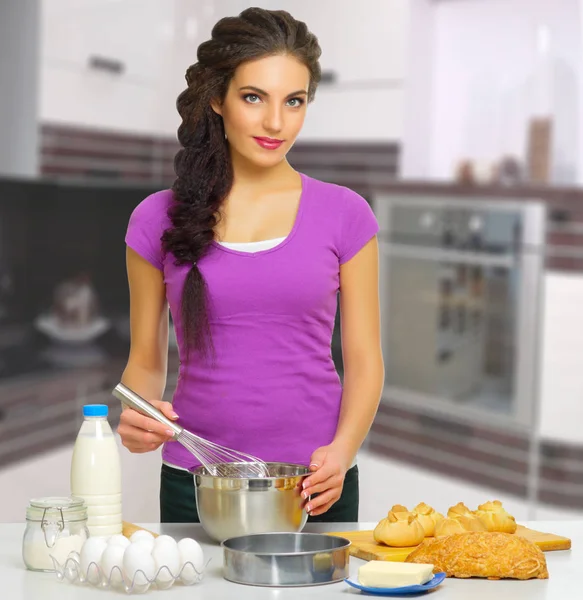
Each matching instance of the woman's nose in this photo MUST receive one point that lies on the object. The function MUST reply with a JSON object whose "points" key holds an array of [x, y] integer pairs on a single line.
{"points": [[273, 121]]}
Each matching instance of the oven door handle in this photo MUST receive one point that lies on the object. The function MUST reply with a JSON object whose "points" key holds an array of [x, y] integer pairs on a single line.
{"points": [[451, 256]]}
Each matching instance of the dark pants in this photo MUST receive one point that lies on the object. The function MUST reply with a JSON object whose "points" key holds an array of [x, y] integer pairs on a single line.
{"points": [[178, 502]]}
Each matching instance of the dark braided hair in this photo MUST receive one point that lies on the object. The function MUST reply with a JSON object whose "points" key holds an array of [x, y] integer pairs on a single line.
{"points": [[204, 174]]}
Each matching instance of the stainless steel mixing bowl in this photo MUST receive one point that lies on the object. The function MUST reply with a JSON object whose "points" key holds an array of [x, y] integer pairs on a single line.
{"points": [[286, 559], [230, 507]]}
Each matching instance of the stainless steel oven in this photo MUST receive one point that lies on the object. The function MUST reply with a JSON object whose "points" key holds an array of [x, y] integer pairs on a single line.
{"points": [[461, 291]]}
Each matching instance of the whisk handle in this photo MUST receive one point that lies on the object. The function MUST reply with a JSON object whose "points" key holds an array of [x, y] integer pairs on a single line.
{"points": [[135, 401]]}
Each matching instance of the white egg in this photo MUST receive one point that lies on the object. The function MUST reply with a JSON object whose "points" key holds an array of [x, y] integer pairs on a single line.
{"points": [[190, 552], [148, 544], [141, 535], [167, 559], [118, 540], [112, 564], [139, 566], [164, 539], [90, 558]]}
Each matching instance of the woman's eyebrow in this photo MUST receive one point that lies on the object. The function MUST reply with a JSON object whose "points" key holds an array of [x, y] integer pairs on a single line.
{"points": [[264, 93]]}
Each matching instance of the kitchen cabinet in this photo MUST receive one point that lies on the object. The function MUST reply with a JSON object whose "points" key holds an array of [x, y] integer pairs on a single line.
{"points": [[361, 42], [354, 115], [561, 378], [96, 100], [137, 33], [156, 42], [132, 32]]}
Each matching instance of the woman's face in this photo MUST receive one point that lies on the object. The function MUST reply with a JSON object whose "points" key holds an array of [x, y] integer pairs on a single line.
{"points": [[265, 107]]}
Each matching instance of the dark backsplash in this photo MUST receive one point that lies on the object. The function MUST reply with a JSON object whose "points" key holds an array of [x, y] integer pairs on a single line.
{"points": [[50, 232]]}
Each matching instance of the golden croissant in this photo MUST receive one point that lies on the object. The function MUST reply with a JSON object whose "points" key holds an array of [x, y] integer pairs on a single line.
{"points": [[495, 518], [494, 555]]}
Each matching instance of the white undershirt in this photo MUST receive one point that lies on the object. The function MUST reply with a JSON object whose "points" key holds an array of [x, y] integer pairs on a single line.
{"points": [[253, 246], [246, 247]]}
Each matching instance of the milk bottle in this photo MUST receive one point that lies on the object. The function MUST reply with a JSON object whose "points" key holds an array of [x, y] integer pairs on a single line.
{"points": [[96, 472]]}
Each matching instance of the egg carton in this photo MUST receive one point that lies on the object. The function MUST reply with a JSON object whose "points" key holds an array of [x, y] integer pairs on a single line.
{"points": [[72, 572]]}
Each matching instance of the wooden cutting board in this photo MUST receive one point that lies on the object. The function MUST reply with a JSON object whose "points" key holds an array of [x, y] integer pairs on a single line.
{"points": [[129, 528], [364, 546]]}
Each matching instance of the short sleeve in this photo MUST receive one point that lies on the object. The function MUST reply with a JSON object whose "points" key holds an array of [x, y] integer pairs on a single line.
{"points": [[147, 223], [358, 226]]}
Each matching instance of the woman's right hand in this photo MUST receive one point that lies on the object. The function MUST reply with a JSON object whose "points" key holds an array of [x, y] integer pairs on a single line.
{"points": [[143, 434]]}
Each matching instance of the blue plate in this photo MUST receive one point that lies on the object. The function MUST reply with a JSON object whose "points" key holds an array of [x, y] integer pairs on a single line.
{"points": [[400, 591]]}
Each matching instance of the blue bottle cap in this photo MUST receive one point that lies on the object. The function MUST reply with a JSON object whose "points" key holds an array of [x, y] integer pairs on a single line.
{"points": [[95, 410]]}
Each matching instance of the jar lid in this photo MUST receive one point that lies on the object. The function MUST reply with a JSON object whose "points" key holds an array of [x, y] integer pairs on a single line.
{"points": [[58, 503], [64, 508]]}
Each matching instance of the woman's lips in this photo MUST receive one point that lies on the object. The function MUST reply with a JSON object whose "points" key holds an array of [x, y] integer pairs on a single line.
{"points": [[268, 143]]}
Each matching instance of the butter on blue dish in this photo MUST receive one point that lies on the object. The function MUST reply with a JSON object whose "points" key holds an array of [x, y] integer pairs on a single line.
{"points": [[384, 578]]}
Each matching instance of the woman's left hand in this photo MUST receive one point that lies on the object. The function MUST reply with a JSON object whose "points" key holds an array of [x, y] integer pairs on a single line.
{"points": [[328, 465]]}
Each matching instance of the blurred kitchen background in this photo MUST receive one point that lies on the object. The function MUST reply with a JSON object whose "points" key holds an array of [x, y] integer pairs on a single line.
{"points": [[460, 121]]}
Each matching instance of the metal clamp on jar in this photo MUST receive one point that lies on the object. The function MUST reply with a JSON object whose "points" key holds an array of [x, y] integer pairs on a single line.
{"points": [[55, 527]]}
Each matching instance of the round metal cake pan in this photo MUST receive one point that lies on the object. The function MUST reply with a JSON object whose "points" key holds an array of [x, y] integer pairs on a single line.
{"points": [[286, 559]]}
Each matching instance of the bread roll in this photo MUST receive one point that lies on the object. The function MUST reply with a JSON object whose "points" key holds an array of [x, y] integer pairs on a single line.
{"points": [[449, 526], [399, 529], [466, 517], [460, 509], [399, 508], [495, 518], [428, 518]]}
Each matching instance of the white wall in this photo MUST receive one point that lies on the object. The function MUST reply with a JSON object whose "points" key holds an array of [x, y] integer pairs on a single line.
{"points": [[157, 40], [485, 76]]}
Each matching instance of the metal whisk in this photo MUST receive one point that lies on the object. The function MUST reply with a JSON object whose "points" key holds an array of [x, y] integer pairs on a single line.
{"points": [[217, 460]]}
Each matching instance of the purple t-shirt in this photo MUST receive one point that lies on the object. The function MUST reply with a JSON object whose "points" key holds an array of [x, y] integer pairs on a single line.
{"points": [[273, 390]]}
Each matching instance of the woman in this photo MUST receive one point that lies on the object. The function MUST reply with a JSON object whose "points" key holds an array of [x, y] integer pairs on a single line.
{"points": [[249, 255]]}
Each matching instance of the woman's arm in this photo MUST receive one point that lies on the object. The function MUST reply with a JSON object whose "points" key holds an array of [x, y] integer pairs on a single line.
{"points": [[146, 369], [364, 371], [363, 376]]}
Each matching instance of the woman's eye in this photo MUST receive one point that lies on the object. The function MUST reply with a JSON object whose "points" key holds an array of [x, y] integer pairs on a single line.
{"points": [[255, 99]]}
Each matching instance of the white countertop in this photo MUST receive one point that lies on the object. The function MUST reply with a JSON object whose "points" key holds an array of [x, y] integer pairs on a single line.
{"points": [[565, 569]]}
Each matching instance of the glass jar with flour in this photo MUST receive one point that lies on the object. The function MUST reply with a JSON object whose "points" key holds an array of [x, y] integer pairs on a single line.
{"points": [[54, 527]]}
